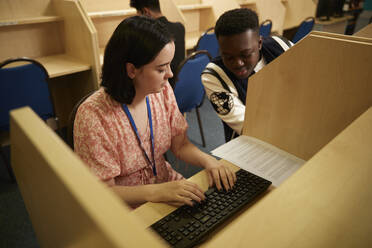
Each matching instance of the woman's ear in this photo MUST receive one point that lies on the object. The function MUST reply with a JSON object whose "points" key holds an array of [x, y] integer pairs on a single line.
{"points": [[131, 70]]}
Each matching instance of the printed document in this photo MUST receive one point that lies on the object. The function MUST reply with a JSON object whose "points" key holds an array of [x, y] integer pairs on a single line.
{"points": [[259, 158]]}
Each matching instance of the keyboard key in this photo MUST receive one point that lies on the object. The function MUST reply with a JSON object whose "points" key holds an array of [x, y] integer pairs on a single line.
{"points": [[205, 219]]}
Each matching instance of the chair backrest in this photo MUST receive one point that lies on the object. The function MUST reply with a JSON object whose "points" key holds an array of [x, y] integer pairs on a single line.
{"points": [[265, 28], [304, 29], [71, 120], [189, 90], [208, 41], [22, 85]]}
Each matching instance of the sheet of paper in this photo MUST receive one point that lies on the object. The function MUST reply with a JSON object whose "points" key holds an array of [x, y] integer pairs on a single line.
{"points": [[259, 158]]}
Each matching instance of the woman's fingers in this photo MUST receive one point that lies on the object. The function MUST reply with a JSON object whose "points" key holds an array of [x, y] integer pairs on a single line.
{"points": [[194, 190], [210, 179], [224, 176], [230, 177], [224, 179], [216, 179]]}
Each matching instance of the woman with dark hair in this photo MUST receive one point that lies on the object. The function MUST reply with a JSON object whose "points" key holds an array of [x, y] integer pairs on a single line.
{"points": [[123, 130]]}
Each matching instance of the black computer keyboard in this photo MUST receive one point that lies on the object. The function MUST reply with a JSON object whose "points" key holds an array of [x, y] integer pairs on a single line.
{"points": [[188, 226]]}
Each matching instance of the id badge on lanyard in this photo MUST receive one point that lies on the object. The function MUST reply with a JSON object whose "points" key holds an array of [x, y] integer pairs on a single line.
{"points": [[134, 127]]}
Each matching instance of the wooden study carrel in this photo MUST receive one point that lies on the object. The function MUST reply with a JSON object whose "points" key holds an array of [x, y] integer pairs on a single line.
{"points": [[301, 102]]}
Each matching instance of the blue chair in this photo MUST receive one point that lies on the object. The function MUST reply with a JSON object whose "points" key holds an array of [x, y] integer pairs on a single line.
{"points": [[23, 85], [265, 28], [208, 41], [305, 28], [189, 90]]}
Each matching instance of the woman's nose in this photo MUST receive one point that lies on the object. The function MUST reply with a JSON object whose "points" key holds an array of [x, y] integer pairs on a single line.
{"points": [[169, 72]]}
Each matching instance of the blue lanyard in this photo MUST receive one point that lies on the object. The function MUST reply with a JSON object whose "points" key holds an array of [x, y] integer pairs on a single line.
{"points": [[127, 112]]}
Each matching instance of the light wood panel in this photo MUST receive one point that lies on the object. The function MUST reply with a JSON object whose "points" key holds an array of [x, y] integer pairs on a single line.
{"points": [[201, 15], [32, 40], [102, 6], [221, 6], [62, 64], [68, 206], [184, 2], [297, 11], [29, 20], [171, 11], [341, 36], [81, 37], [365, 32], [18, 9], [105, 27], [273, 10], [325, 204], [249, 4], [106, 16], [309, 94]]}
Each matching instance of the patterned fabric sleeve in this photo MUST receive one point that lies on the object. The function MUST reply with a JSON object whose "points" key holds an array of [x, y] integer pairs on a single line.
{"points": [[92, 143], [177, 121]]}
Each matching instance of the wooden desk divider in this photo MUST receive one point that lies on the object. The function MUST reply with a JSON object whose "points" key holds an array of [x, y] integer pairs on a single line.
{"points": [[285, 14], [308, 95], [267, 9], [326, 203], [365, 32], [106, 16], [274, 10], [56, 34], [297, 11], [200, 15], [68, 206]]}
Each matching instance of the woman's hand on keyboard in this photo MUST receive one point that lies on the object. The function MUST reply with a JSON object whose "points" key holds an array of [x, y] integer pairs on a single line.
{"points": [[177, 193], [218, 172]]}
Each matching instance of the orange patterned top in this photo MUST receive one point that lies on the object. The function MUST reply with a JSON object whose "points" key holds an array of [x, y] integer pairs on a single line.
{"points": [[105, 140]]}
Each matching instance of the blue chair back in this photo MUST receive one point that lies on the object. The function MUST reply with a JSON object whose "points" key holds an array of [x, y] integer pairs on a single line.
{"points": [[24, 85], [208, 41], [305, 28], [265, 28], [189, 90]]}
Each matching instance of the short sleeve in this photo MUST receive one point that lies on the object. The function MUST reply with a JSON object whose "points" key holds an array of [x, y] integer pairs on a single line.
{"points": [[93, 144], [177, 121]]}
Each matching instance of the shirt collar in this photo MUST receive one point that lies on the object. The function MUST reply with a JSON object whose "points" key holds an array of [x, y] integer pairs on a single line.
{"points": [[260, 64]]}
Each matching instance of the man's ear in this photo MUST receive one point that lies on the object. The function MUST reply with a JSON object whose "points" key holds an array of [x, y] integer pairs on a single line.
{"points": [[131, 70], [259, 42], [146, 12]]}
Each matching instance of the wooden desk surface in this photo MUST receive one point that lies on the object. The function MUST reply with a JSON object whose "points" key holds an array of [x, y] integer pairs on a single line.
{"points": [[58, 65], [325, 204]]}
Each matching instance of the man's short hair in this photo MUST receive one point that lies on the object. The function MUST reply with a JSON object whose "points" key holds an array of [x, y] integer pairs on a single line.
{"points": [[140, 4], [236, 21]]}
